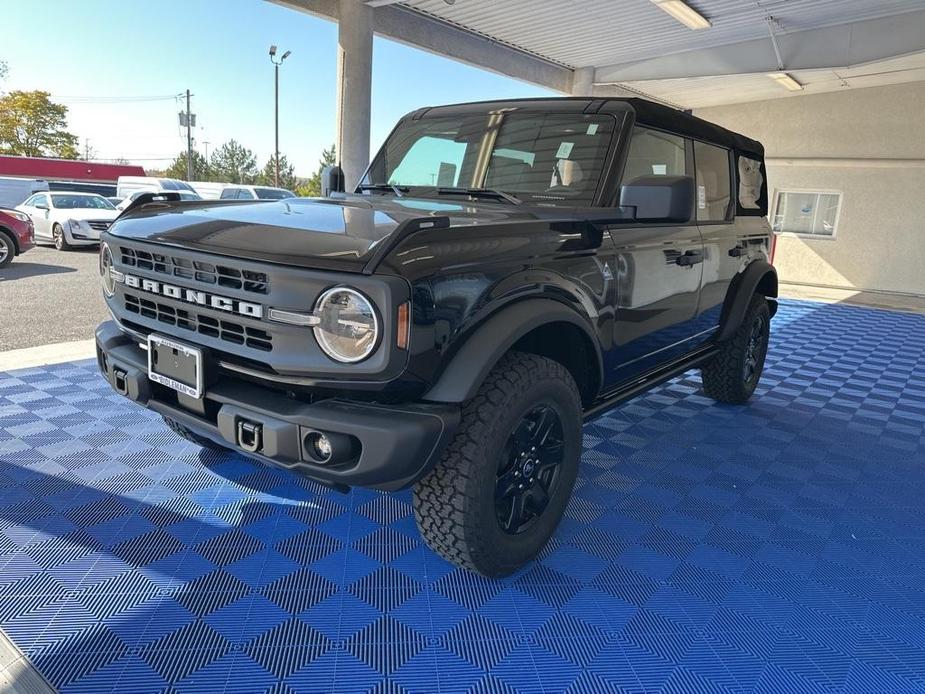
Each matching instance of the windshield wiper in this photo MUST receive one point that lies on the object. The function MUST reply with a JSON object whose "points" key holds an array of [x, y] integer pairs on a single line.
{"points": [[384, 187], [481, 192]]}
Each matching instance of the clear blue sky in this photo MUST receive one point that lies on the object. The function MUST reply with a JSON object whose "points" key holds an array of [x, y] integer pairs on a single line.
{"points": [[218, 49]]}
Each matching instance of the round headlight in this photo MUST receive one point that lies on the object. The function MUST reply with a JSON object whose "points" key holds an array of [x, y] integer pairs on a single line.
{"points": [[348, 328], [109, 283]]}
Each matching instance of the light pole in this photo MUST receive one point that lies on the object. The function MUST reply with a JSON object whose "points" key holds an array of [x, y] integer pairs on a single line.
{"points": [[276, 64]]}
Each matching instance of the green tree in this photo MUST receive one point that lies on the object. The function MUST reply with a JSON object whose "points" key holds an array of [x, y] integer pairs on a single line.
{"points": [[234, 163], [287, 177], [202, 171], [32, 126], [312, 187]]}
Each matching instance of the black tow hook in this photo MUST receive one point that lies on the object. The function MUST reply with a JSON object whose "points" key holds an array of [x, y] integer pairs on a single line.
{"points": [[250, 435], [120, 381]]}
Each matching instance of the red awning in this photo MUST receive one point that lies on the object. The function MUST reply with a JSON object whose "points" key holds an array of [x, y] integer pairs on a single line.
{"points": [[66, 169]]}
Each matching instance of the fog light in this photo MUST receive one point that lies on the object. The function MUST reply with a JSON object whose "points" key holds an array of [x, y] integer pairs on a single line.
{"points": [[319, 446]]}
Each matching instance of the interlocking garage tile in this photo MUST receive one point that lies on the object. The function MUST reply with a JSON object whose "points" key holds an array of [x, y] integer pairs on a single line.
{"points": [[777, 546]]}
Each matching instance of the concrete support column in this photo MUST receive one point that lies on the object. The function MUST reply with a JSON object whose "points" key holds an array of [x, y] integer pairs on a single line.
{"points": [[354, 87], [582, 81]]}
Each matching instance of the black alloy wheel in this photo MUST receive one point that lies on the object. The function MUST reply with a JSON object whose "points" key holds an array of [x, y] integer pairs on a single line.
{"points": [[529, 469]]}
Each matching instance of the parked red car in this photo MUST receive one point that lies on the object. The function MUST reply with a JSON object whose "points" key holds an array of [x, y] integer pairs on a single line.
{"points": [[17, 235]]}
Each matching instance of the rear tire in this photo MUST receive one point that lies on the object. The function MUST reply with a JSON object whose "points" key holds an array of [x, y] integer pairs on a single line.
{"points": [[499, 491], [193, 437], [733, 374], [57, 233], [7, 249]]}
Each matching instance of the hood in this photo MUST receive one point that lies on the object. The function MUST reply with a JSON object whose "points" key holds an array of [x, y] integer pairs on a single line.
{"points": [[340, 233], [84, 213]]}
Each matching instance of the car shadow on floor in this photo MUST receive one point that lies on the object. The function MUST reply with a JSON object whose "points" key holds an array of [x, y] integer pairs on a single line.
{"points": [[19, 269]]}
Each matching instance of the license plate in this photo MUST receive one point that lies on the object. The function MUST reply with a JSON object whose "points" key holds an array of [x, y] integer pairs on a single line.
{"points": [[175, 365]]}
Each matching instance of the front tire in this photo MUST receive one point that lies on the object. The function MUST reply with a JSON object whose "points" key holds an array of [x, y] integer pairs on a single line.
{"points": [[499, 491], [57, 233], [193, 437], [7, 249], [733, 374]]}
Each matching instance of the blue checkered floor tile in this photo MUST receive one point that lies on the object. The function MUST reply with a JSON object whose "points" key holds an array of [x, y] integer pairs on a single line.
{"points": [[774, 547]]}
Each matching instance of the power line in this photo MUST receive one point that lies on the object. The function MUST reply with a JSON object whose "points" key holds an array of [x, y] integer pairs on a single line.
{"points": [[112, 99]]}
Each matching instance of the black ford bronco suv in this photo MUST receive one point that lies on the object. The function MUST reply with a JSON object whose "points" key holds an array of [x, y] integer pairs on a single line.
{"points": [[503, 272]]}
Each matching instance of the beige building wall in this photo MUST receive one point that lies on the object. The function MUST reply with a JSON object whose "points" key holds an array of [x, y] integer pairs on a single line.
{"points": [[868, 145]]}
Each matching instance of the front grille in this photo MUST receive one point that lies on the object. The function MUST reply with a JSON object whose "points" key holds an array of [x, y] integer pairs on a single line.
{"points": [[99, 226], [196, 270], [222, 329]]}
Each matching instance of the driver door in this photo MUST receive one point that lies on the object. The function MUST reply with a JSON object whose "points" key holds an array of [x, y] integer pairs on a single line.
{"points": [[658, 268]]}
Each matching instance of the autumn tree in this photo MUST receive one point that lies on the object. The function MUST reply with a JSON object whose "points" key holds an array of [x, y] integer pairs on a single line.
{"points": [[233, 163], [32, 126]]}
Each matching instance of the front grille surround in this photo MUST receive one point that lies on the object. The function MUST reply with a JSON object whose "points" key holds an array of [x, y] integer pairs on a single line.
{"points": [[280, 348], [99, 225]]}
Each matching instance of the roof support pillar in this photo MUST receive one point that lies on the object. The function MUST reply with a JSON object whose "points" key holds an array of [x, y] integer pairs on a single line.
{"points": [[582, 81], [354, 87]]}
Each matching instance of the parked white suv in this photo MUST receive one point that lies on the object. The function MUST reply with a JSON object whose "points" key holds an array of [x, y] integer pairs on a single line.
{"points": [[238, 192], [69, 219]]}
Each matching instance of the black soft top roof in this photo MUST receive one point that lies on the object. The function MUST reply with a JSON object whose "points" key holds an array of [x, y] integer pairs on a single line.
{"points": [[656, 115], [647, 113]]}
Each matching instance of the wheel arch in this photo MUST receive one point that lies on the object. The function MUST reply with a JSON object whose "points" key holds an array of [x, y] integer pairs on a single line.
{"points": [[759, 277], [544, 327]]}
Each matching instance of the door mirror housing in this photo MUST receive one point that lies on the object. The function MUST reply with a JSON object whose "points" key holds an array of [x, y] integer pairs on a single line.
{"points": [[332, 180], [660, 198], [41, 206]]}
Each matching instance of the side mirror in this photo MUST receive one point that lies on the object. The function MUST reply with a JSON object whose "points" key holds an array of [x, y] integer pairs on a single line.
{"points": [[41, 206], [660, 198], [332, 180]]}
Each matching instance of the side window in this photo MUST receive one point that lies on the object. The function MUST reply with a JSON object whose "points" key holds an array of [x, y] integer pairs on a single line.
{"points": [[713, 183], [245, 194], [229, 194], [654, 153]]}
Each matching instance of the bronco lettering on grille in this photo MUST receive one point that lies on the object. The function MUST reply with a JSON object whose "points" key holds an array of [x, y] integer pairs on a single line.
{"points": [[191, 296]]}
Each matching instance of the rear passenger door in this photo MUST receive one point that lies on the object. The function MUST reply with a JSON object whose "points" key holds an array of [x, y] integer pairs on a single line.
{"points": [[658, 268], [723, 244]]}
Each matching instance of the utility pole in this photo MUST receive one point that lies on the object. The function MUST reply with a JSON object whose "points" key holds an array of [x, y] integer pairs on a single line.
{"points": [[276, 110], [189, 140]]}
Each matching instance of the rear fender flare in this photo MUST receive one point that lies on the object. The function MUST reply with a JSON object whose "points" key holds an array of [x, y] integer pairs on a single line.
{"points": [[482, 349], [759, 276]]}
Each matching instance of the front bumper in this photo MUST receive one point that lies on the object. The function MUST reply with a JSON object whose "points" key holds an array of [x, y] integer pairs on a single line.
{"points": [[83, 235], [391, 446]]}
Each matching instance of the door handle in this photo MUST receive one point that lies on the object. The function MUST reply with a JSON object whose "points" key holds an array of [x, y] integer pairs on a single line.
{"points": [[690, 258]]}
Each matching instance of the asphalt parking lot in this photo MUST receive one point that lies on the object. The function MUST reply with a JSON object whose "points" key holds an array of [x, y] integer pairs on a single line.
{"points": [[49, 296]]}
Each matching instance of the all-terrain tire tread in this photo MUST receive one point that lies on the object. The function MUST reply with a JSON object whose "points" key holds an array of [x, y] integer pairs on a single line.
{"points": [[441, 497], [722, 375]]}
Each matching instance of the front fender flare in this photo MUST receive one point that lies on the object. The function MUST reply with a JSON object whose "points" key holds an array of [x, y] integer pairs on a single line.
{"points": [[759, 275], [461, 379]]}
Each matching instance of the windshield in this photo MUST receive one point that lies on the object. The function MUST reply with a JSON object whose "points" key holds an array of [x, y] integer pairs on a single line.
{"points": [[81, 202], [273, 194], [536, 157]]}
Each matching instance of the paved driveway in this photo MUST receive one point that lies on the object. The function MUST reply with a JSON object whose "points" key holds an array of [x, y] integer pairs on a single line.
{"points": [[47, 296]]}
